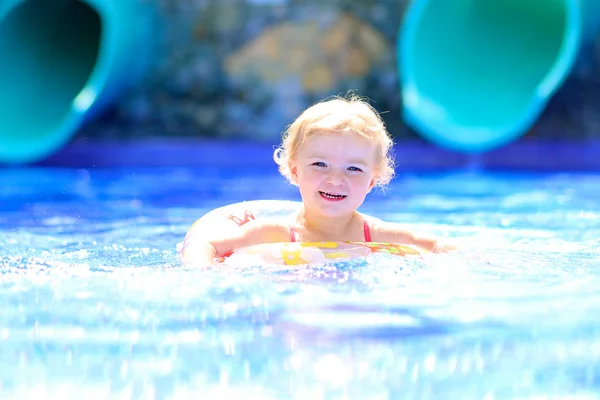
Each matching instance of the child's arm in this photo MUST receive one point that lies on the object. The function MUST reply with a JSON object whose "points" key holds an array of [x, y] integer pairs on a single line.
{"points": [[431, 243], [201, 248], [392, 233], [445, 245]]}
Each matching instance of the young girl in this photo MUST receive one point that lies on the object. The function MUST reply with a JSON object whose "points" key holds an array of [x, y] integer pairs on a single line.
{"points": [[335, 152]]}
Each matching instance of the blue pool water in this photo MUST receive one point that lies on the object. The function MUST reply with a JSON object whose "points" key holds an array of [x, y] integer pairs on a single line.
{"points": [[94, 302]]}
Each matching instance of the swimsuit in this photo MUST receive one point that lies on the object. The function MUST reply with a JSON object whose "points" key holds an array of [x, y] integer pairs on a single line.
{"points": [[367, 231]]}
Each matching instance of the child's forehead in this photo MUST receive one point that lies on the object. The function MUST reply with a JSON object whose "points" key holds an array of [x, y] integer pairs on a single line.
{"points": [[338, 144]]}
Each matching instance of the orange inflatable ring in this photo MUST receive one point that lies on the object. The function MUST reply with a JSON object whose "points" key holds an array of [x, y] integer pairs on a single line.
{"points": [[235, 215]]}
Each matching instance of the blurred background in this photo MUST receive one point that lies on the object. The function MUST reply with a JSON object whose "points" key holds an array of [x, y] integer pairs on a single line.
{"points": [[242, 70]]}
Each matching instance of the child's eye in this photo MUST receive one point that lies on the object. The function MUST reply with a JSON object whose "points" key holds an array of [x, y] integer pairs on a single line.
{"points": [[319, 164], [355, 169]]}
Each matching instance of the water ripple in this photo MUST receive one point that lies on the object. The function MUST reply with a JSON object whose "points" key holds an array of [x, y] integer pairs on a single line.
{"points": [[96, 304]]}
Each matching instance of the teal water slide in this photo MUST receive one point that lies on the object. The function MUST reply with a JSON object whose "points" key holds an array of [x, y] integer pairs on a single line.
{"points": [[477, 74], [61, 62]]}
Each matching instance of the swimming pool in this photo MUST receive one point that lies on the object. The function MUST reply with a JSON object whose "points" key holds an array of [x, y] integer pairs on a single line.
{"points": [[94, 302]]}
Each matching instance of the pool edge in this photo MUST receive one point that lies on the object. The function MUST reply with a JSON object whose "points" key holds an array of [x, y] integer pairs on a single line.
{"points": [[530, 155]]}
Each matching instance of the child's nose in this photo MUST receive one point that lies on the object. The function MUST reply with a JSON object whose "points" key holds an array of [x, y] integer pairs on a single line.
{"points": [[335, 178]]}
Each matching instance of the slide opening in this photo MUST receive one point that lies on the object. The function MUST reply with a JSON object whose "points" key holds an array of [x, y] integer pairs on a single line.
{"points": [[482, 60], [48, 50]]}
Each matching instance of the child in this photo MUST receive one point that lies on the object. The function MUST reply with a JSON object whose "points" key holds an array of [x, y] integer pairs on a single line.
{"points": [[335, 152]]}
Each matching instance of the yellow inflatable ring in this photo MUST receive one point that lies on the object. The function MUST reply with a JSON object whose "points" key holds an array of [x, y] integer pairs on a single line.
{"points": [[235, 215]]}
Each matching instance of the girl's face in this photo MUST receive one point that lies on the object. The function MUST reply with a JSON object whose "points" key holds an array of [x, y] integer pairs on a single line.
{"points": [[334, 172]]}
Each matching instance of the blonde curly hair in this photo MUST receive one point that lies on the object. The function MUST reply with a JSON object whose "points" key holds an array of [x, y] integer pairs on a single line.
{"points": [[338, 115]]}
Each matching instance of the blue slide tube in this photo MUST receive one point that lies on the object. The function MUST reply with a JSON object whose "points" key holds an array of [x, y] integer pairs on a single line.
{"points": [[62, 62], [477, 74]]}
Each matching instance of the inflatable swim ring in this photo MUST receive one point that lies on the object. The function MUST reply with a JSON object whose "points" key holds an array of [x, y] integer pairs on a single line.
{"points": [[230, 217]]}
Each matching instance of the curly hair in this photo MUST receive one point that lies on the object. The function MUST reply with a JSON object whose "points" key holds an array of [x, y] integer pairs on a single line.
{"points": [[338, 115]]}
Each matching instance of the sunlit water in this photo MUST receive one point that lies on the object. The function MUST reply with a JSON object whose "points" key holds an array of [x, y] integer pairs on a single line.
{"points": [[94, 302]]}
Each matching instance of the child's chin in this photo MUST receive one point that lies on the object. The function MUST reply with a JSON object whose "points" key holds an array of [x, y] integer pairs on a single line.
{"points": [[332, 209]]}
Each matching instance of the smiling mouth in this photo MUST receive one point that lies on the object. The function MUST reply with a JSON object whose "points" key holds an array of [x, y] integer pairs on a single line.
{"points": [[333, 196]]}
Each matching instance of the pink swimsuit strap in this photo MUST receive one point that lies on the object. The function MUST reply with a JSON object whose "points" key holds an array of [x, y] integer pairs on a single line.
{"points": [[367, 231]]}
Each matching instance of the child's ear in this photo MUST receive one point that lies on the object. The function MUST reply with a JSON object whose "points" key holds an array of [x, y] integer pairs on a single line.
{"points": [[373, 182], [293, 171]]}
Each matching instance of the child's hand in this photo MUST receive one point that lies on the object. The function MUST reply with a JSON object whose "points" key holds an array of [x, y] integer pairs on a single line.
{"points": [[200, 254], [446, 246]]}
